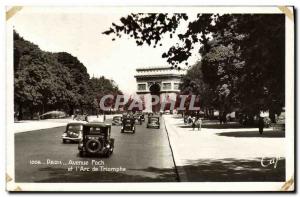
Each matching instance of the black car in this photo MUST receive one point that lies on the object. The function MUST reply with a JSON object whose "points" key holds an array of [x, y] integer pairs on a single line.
{"points": [[150, 114], [96, 140], [128, 124], [117, 120], [153, 122], [73, 132], [53, 115], [143, 117], [138, 119]]}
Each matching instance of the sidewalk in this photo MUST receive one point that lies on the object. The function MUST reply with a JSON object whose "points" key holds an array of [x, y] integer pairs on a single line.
{"points": [[31, 125], [214, 147]]}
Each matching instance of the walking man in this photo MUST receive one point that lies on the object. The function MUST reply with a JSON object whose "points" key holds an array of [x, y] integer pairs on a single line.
{"points": [[199, 124], [193, 123]]}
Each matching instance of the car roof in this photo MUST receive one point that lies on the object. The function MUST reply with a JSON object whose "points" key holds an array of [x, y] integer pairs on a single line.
{"points": [[97, 124], [76, 123], [156, 117], [128, 117]]}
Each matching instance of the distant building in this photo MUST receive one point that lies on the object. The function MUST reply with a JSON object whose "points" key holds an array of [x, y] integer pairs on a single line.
{"points": [[162, 81]]}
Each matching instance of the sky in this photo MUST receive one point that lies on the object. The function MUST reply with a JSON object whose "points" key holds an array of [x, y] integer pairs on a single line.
{"points": [[78, 31]]}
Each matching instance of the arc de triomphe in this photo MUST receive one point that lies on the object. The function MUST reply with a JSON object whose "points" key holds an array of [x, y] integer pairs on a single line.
{"points": [[162, 81]]}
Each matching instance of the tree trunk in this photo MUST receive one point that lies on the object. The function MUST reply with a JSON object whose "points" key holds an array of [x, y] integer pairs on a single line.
{"points": [[43, 108], [31, 113], [71, 110], [20, 115], [272, 116]]}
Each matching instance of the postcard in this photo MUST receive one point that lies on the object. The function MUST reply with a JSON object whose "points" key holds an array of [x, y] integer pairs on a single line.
{"points": [[161, 98]]}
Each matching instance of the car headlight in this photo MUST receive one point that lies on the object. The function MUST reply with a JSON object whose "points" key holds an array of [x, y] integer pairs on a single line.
{"points": [[64, 135]]}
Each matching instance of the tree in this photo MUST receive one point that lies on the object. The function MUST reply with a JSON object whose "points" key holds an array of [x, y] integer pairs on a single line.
{"points": [[76, 81], [193, 83], [45, 81], [243, 55], [99, 87], [34, 80]]}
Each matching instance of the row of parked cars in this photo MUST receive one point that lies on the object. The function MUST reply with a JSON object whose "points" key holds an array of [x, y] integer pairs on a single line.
{"points": [[94, 138]]}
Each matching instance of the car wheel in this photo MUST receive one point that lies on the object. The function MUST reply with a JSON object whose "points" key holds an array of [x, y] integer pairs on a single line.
{"points": [[64, 141], [93, 146], [107, 154]]}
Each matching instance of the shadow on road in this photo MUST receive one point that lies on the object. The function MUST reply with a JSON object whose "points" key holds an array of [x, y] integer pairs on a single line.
{"points": [[157, 175], [234, 170], [218, 126], [266, 134]]}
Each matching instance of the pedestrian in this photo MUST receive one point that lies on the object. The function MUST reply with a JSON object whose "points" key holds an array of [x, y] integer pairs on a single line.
{"points": [[190, 120], [86, 118], [199, 124], [185, 119], [224, 118], [261, 125], [74, 116], [193, 123]]}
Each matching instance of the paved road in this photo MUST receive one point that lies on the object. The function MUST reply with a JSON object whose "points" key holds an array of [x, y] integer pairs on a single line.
{"points": [[146, 156]]}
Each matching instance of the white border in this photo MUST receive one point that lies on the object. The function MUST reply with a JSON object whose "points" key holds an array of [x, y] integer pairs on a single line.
{"points": [[199, 186]]}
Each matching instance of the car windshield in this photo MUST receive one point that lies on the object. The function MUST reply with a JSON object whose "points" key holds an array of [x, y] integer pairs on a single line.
{"points": [[97, 130], [153, 120], [117, 118], [75, 128]]}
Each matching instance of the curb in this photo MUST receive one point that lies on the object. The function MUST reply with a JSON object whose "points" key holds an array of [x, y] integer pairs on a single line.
{"points": [[182, 176]]}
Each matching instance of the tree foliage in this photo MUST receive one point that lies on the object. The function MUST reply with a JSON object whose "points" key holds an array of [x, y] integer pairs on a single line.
{"points": [[193, 84], [98, 88], [243, 55], [46, 81]]}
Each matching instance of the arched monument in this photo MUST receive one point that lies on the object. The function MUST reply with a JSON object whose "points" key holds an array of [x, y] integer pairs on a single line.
{"points": [[162, 81]]}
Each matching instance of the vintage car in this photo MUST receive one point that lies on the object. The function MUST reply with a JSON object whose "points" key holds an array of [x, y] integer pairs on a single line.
{"points": [[153, 122], [53, 115], [128, 124], [117, 120], [150, 114], [73, 132], [138, 119], [96, 140], [143, 117]]}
